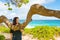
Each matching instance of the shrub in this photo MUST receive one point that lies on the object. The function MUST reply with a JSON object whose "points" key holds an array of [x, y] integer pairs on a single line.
{"points": [[4, 29], [2, 37], [43, 32]]}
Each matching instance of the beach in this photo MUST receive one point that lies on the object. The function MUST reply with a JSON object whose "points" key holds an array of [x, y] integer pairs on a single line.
{"points": [[35, 33], [25, 37]]}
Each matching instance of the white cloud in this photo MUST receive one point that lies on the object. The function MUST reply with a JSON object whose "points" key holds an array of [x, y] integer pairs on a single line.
{"points": [[40, 17], [3, 13], [2, 6], [3, 9], [22, 12], [12, 15], [31, 2], [27, 6]]}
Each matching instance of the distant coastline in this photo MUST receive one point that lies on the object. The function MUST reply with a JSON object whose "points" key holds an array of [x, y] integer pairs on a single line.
{"points": [[34, 23]]}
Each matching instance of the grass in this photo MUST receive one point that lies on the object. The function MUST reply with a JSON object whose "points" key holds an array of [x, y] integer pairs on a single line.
{"points": [[2, 37], [41, 32], [3, 29]]}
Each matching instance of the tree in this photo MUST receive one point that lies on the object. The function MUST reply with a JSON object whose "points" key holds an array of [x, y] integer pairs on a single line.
{"points": [[17, 3]]}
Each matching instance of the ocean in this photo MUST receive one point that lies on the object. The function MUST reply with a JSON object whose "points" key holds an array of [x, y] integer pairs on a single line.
{"points": [[34, 23]]}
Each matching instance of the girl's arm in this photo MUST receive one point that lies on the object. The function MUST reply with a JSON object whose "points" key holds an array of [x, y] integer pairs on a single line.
{"points": [[5, 20]]}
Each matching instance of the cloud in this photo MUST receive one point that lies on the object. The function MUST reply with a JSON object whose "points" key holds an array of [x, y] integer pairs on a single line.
{"points": [[12, 15], [3, 13], [2, 6], [27, 7], [3, 9], [41, 2], [40, 17], [23, 11]]}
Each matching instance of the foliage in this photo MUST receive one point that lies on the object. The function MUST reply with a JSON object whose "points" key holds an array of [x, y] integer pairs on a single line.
{"points": [[17, 3], [9, 8], [2, 37], [4, 29], [43, 32]]}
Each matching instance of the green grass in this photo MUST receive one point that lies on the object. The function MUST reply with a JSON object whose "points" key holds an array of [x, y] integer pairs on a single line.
{"points": [[3, 29], [43, 32], [2, 37], [40, 32]]}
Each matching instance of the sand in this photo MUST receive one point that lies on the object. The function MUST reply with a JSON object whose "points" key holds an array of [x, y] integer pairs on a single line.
{"points": [[25, 37]]}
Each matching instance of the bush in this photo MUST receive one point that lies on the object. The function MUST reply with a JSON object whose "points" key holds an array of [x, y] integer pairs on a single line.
{"points": [[4, 29], [43, 32], [2, 37]]}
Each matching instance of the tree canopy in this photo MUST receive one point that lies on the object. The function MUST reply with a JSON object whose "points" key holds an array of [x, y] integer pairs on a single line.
{"points": [[17, 3]]}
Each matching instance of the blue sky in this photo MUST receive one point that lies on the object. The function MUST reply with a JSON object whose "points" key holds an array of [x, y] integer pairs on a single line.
{"points": [[23, 11]]}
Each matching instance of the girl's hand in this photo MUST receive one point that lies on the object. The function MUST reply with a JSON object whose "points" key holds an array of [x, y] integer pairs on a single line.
{"points": [[22, 30], [31, 19]]}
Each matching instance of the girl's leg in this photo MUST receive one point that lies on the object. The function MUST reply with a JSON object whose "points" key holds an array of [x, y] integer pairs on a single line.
{"points": [[19, 37], [11, 36], [14, 37]]}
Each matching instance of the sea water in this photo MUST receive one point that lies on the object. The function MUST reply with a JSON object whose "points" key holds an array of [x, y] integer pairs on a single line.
{"points": [[42, 23], [46, 22]]}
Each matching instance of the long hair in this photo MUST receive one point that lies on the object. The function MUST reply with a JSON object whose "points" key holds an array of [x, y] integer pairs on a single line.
{"points": [[14, 20]]}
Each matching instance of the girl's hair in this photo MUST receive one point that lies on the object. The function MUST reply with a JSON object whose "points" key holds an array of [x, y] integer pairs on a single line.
{"points": [[14, 20]]}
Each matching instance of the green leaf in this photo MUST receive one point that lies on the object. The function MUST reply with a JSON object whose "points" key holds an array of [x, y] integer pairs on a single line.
{"points": [[17, 3], [9, 8], [5, 4]]}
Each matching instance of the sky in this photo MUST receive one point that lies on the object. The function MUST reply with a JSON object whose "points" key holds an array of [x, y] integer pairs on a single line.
{"points": [[23, 10]]}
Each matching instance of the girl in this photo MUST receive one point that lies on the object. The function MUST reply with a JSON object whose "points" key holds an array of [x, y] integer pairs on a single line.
{"points": [[16, 28]]}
